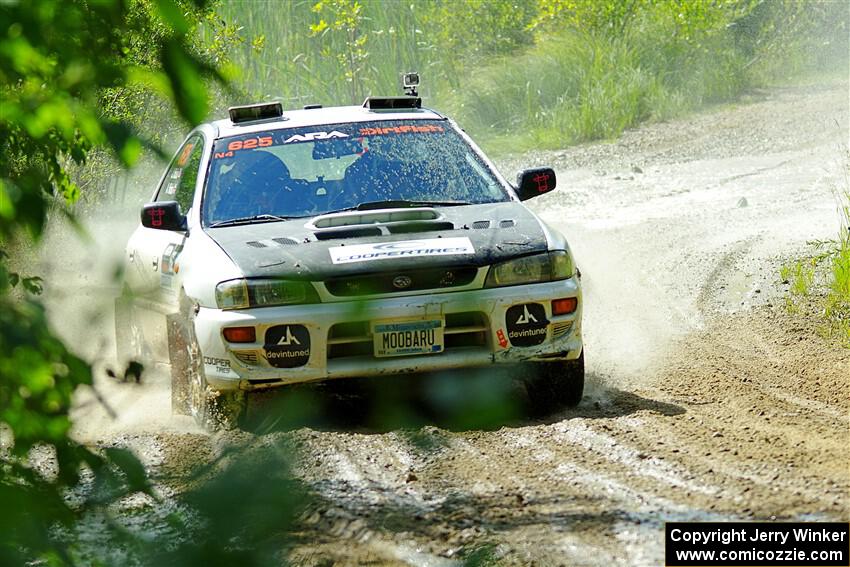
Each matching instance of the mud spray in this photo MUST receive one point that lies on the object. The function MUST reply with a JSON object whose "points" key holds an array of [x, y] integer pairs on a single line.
{"points": [[82, 271]]}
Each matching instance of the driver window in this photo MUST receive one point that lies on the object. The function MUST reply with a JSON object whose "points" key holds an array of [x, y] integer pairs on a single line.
{"points": [[179, 182]]}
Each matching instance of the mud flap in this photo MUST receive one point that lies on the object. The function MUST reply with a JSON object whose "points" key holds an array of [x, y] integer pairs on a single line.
{"points": [[190, 394], [555, 385], [178, 357]]}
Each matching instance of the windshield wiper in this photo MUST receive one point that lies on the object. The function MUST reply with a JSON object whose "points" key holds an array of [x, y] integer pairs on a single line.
{"points": [[399, 204], [249, 220]]}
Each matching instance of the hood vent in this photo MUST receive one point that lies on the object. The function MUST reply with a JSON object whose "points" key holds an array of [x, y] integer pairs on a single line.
{"points": [[480, 224], [421, 226], [348, 233], [271, 243], [507, 223]]}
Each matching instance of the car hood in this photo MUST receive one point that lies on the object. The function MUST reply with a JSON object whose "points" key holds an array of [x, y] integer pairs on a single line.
{"points": [[366, 242]]}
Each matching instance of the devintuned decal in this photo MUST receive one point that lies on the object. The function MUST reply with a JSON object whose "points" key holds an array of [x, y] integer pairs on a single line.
{"points": [[287, 346], [527, 324], [401, 249]]}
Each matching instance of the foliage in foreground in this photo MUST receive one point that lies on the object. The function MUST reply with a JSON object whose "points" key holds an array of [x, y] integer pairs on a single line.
{"points": [[57, 59]]}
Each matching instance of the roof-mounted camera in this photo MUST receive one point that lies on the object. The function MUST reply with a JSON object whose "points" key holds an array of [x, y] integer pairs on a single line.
{"points": [[410, 82]]}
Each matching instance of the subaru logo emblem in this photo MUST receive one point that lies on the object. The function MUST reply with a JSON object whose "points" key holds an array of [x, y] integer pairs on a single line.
{"points": [[402, 282]]}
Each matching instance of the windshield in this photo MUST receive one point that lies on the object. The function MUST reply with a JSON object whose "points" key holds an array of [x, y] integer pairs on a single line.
{"points": [[302, 172]]}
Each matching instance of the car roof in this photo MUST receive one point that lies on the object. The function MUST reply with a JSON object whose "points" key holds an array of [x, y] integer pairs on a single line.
{"points": [[320, 117]]}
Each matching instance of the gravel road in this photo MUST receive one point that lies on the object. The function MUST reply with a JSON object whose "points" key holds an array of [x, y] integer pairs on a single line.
{"points": [[705, 399]]}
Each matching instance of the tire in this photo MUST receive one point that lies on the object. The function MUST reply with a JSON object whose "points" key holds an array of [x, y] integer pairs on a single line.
{"points": [[556, 385], [130, 344], [213, 410]]}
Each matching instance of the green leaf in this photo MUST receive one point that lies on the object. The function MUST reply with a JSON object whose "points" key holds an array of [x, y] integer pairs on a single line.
{"points": [[124, 141], [7, 208], [34, 285], [170, 13], [185, 74], [134, 471]]}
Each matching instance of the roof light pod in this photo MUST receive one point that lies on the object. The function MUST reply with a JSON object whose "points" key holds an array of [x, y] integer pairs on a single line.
{"points": [[255, 112]]}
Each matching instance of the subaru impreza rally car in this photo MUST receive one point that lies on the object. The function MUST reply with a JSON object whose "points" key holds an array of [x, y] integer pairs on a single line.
{"points": [[329, 243]]}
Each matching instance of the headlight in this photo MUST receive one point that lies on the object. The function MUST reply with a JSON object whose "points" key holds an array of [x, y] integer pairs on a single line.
{"points": [[240, 294], [549, 266]]}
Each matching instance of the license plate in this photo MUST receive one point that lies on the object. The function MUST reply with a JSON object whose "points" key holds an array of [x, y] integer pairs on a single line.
{"points": [[405, 337]]}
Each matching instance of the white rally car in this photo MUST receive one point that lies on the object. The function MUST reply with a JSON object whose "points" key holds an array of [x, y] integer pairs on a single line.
{"points": [[328, 243]]}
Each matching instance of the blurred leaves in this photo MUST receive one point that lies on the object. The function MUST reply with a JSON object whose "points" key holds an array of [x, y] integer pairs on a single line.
{"points": [[71, 72]]}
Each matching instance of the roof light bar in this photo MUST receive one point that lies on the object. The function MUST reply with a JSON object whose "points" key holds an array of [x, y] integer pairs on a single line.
{"points": [[254, 112], [392, 102]]}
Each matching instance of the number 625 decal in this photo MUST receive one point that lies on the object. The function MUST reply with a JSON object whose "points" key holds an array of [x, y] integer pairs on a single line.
{"points": [[249, 144]]}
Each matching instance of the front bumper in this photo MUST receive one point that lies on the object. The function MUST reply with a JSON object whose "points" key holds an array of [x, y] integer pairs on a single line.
{"points": [[477, 333]]}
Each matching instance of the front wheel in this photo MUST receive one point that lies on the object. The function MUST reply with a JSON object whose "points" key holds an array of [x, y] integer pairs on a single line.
{"points": [[555, 385], [213, 410]]}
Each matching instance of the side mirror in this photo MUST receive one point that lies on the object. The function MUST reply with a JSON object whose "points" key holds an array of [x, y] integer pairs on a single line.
{"points": [[534, 182], [163, 215]]}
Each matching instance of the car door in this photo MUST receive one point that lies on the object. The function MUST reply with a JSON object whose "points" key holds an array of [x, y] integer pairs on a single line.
{"points": [[153, 254]]}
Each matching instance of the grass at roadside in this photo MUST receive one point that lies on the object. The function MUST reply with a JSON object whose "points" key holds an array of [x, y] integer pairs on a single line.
{"points": [[822, 282], [532, 74]]}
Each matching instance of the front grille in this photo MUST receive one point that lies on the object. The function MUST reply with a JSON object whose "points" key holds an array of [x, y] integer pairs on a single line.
{"points": [[466, 329], [394, 282]]}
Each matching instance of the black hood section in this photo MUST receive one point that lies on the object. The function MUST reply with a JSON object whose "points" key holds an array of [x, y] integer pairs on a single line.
{"points": [[292, 249]]}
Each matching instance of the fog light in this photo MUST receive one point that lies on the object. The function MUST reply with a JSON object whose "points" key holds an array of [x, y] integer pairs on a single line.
{"points": [[240, 334], [564, 306]]}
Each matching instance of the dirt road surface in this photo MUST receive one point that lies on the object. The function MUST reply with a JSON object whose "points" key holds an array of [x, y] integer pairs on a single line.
{"points": [[705, 399]]}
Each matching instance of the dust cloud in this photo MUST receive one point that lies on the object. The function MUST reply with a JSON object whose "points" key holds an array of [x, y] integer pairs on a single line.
{"points": [[81, 267]]}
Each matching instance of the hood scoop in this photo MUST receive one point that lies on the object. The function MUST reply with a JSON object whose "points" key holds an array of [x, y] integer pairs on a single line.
{"points": [[356, 224], [384, 216]]}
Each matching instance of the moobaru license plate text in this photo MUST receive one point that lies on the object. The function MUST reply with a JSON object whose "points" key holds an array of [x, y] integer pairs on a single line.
{"points": [[408, 337]]}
